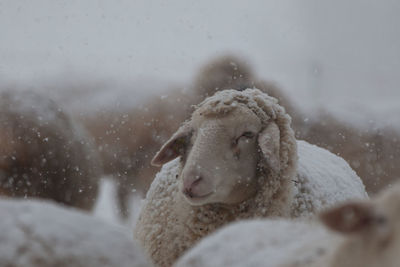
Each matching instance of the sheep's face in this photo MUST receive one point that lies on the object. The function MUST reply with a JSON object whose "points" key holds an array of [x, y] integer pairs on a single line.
{"points": [[221, 164], [371, 231], [220, 155]]}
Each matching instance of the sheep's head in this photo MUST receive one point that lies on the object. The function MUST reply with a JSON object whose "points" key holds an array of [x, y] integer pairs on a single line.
{"points": [[371, 230], [225, 72], [227, 143]]}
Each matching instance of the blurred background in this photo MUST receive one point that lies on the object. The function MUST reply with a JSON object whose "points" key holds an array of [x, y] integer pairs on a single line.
{"points": [[128, 71]]}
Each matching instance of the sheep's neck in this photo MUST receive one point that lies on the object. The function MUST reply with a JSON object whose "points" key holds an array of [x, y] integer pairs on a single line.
{"points": [[205, 219]]}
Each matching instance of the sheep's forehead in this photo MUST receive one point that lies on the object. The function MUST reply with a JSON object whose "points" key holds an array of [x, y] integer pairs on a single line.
{"points": [[235, 121], [226, 101]]}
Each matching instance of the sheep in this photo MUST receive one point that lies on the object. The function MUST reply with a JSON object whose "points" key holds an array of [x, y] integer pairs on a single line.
{"points": [[224, 72], [44, 153], [236, 159], [37, 233], [357, 233]]}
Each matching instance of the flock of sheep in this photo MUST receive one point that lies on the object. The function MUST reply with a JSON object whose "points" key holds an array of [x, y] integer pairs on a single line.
{"points": [[237, 185]]}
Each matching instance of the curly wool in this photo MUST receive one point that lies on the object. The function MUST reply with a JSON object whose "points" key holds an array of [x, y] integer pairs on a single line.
{"points": [[188, 223]]}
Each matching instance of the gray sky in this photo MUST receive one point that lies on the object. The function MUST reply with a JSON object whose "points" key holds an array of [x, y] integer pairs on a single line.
{"points": [[346, 49]]}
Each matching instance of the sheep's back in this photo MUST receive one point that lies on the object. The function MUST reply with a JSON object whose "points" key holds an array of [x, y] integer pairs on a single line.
{"points": [[323, 180], [273, 242]]}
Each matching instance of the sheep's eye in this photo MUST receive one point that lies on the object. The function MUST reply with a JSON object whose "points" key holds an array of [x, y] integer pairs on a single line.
{"points": [[248, 135], [381, 220], [245, 136]]}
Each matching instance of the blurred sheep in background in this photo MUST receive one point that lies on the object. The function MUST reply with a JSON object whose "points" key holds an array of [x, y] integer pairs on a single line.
{"points": [[44, 153], [232, 72]]}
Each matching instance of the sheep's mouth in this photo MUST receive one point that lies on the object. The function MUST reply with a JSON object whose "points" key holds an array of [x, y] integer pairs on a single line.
{"points": [[196, 199]]}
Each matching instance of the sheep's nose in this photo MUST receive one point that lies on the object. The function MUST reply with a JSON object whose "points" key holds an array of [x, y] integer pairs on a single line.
{"points": [[190, 184]]}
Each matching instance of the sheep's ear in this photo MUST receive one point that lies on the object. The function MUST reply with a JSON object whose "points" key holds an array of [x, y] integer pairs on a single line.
{"points": [[269, 143], [350, 217], [174, 147]]}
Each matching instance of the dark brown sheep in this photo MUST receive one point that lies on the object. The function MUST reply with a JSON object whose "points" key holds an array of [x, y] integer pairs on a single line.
{"points": [[225, 72], [43, 153]]}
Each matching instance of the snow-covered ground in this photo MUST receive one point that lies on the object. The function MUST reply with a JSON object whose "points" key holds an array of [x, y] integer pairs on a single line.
{"points": [[106, 207]]}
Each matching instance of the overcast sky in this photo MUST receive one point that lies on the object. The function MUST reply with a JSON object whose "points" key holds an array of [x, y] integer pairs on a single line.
{"points": [[342, 47]]}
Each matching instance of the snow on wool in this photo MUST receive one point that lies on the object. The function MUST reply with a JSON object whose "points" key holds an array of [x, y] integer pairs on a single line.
{"points": [[41, 234], [254, 243]]}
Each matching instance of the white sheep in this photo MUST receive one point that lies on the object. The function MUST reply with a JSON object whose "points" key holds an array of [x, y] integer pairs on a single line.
{"points": [[41, 234], [366, 234], [238, 160]]}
